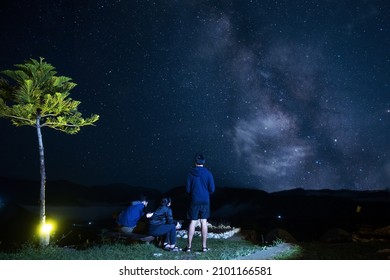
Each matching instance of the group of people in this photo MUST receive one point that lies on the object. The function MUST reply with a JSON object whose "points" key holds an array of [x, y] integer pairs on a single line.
{"points": [[160, 223]]}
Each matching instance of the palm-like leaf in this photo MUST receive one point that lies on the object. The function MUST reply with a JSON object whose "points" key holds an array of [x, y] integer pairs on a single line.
{"points": [[36, 90]]}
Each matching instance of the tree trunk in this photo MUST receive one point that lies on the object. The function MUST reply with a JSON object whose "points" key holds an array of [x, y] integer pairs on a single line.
{"points": [[42, 214]]}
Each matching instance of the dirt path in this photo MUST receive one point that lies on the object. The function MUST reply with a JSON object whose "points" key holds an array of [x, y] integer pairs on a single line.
{"points": [[268, 253]]}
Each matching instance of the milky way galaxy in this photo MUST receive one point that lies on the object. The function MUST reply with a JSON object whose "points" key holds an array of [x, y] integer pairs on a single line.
{"points": [[276, 94]]}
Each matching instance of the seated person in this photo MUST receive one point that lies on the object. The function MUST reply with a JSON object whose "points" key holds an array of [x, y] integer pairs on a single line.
{"points": [[161, 223]]}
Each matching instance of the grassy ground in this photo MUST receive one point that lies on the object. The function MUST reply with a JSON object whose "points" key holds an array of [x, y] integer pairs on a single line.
{"points": [[219, 250], [374, 250]]}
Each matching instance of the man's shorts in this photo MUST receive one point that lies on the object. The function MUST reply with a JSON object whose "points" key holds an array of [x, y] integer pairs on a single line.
{"points": [[198, 211], [127, 229]]}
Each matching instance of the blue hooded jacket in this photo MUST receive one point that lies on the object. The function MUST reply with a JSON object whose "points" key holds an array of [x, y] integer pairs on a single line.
{"points": [[163, 215], [200, 184], [131, 216]]}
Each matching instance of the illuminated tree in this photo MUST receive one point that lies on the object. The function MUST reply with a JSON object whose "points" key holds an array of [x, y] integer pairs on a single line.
{"points": [[37, 97]]}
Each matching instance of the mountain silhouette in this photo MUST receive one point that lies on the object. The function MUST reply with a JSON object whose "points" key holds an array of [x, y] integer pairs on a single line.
{"points": [[304, 213]]}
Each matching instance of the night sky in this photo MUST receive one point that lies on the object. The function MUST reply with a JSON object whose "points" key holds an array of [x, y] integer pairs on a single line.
{"points": [[276, 94]]}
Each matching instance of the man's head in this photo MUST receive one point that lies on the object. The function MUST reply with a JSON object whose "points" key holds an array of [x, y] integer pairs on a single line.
{"points": [[199, 159], [143, 199], [166, 201]]}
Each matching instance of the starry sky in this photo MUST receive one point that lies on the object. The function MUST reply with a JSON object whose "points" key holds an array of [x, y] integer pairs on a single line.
{"points": [[276, 94]]}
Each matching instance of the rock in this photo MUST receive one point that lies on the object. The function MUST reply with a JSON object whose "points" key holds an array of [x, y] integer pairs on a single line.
{"points": [[216, 235], [383, 231], [250, 235], [336, 235]]}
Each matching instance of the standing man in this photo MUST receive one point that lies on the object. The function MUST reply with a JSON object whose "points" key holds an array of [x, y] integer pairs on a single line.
{"points": [[200, 184]]}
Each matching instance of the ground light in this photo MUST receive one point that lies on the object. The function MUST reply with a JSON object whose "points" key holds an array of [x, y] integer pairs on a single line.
{"points": [[45, 230]]}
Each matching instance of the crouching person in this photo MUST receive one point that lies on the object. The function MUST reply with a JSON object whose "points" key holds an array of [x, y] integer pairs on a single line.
{"points": [[161, 223], [130, 217]]}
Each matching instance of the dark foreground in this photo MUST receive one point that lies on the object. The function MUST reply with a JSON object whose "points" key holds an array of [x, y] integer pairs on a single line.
{"points": [[297, 216]]}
